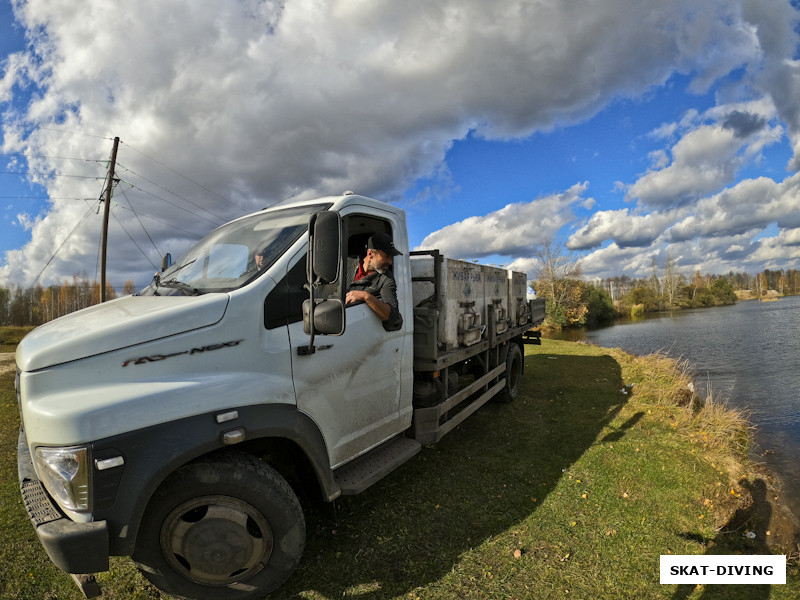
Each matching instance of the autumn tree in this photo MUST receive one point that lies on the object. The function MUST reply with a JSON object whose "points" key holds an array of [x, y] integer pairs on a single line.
{"points": [[129, 288], [558, 280]]}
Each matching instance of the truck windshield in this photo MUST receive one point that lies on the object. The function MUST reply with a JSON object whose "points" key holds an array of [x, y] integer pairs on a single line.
{"points": [[234, 254]]}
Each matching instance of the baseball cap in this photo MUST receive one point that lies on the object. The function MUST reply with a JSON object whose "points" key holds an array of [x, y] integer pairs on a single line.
{"points": [[382, 241]]}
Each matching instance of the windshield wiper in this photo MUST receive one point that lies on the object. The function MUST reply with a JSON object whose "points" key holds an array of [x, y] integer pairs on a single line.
{"points": [[183, 287]]}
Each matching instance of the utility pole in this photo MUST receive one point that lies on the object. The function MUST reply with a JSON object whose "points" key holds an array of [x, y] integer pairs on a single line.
{"points": [[104, 238]]}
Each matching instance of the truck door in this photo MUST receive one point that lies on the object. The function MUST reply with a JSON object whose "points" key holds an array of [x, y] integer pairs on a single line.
{"points": [[351, 385]]}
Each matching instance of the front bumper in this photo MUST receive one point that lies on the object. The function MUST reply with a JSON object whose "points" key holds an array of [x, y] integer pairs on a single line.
{"points": [[73, 547]]}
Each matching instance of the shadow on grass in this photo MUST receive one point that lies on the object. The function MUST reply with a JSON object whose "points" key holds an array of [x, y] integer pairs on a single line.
{"points": [[412, 528], [733, 539]]}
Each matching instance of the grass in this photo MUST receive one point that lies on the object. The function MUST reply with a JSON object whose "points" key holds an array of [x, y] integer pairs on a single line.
{"points": [[604, 462], [10, 336]]}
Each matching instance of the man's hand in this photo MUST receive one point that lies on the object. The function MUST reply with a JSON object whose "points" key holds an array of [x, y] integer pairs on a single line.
{"points": [[379, 307], [356, 296]]}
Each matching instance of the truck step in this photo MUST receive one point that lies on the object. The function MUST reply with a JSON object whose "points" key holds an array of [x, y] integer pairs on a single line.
{"points": [[359, 474]]}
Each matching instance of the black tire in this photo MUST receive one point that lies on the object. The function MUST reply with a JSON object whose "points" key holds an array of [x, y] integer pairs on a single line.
{"points": [[225, 527], [513, 374]]}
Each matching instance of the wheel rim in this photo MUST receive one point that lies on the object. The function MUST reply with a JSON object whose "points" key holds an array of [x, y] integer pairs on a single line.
{"points": [[216, 540]]}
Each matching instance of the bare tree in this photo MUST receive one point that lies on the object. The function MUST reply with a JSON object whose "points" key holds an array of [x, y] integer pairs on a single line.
{"points": [[671, 280], [555, 270], [655, 283], [559, 280]]}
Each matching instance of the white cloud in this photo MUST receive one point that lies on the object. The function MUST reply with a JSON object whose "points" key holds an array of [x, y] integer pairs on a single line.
{"points": [[718, 234], [626, 229], [25, 221], [515, 230], [259, 100], [705, 159], [749, 206]]}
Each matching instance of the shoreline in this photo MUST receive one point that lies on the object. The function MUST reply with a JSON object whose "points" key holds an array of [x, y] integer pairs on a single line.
{"points": [[779, 515], [723, 347]]}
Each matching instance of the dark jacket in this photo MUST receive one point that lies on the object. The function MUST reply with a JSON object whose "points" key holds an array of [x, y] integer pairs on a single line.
{"points": [[382, 285]]}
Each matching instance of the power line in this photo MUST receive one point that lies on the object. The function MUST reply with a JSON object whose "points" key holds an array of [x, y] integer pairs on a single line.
{"points": [[75, 133], [130, 237], [191, 233], [23, 155], [135, 187], [88, 212], [141, 224], [173, 193], [108, 186], [201, 186], [28, 174], [44, 198]]}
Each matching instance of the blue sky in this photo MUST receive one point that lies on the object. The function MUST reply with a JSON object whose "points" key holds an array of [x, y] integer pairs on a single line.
{"points": [[628, 131], [611, 146]]}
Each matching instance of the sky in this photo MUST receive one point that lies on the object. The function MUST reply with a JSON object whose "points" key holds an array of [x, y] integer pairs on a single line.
{"points": [[628, 132]]}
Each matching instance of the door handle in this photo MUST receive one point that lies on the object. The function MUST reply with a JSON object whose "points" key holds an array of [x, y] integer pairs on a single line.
{"points": [[306, 351]]}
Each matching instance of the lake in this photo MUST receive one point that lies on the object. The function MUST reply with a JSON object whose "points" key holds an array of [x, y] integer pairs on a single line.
{"points": [[748, 354]]}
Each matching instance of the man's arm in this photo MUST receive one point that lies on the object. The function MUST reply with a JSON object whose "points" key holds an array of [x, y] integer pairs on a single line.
{"points": [[379, 307], [388, 295]]}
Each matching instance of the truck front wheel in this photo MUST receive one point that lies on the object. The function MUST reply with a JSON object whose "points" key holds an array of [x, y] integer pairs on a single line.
{"points": [[227, 527], [513, 374]]}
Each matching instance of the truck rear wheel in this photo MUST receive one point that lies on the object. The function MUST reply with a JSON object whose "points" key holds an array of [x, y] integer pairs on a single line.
{"points": [[513, 374], [227, 527]]}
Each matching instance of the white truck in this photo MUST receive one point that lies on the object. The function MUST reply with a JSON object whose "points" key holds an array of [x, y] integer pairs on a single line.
{"points": [[175, 425]]}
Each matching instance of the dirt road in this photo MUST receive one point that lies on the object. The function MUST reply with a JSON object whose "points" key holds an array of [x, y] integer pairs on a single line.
{"points": [[6, 362]]}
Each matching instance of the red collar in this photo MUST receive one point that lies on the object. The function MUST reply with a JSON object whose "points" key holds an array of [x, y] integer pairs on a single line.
{"points": [[360, 272]]}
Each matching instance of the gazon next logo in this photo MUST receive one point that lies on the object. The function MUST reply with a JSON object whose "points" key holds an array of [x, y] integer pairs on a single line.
{"points": [[159, 357]]}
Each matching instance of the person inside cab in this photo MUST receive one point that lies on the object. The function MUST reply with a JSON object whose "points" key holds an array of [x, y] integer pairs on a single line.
{"points": [[374, 284]]}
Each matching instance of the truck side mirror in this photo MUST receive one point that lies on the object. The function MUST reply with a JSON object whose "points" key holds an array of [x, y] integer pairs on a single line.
{"points": [[324, 247], [328, 317], [324, 258], [166, 262]]}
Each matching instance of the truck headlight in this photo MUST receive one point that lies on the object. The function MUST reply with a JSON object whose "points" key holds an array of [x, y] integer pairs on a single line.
{"points": [[65, 474]]}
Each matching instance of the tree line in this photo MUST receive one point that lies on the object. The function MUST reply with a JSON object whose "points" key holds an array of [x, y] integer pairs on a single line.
{"points": [[37, 305], [574, 302]]}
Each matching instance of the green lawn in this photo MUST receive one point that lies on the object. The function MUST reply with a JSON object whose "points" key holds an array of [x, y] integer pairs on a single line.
{"points": [[573, 491], [10, 336]]}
